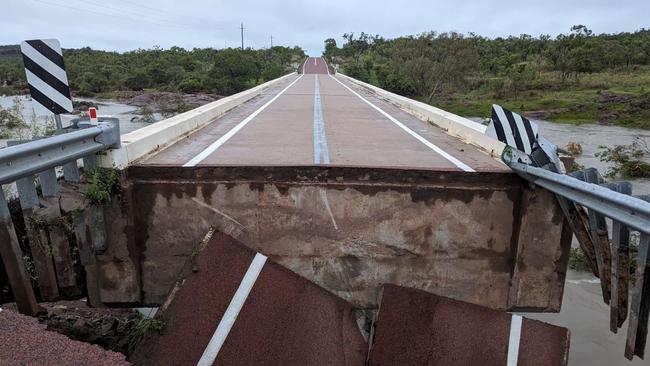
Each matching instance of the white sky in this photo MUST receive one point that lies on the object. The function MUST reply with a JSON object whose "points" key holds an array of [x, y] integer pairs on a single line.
{"points": [[130, 24]]}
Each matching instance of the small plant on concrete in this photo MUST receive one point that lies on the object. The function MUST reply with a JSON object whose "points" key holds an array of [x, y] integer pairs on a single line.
{"points": [[142, 326], [102, 185]]}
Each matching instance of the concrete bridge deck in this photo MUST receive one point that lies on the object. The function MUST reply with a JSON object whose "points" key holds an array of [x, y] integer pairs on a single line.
{"points": [[342, 184], [320, 119]]}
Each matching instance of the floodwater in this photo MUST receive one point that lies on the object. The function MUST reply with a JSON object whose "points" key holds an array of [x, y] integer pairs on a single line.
{"points": [[104, 108], [591, 137]]}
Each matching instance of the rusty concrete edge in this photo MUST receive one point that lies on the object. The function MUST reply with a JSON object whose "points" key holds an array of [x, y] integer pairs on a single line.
{"points": [[141, 143], [326, 175], [454, 125]]}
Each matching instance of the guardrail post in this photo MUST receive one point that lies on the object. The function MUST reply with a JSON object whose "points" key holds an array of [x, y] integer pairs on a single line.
{"points": [[12, 258], [598, 228], [638, 325], [38, 241], [620, 266], [90, 163], [49, 184], [71, 172]]}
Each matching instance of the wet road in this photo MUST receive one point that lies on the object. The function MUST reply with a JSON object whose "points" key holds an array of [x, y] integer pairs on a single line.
{"points": [[316, 118]]}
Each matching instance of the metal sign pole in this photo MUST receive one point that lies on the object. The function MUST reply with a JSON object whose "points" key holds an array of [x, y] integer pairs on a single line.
{"points": [[59, 124]]}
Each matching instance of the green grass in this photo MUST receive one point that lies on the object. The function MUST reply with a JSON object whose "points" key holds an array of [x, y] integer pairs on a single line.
{"points": [[576, 102]]}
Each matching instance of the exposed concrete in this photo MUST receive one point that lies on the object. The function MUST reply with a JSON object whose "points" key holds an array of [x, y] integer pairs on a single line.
{"points": [[532, 282], [347, 229]]}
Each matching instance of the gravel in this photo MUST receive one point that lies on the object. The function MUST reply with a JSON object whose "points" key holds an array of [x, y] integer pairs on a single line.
{"points": [[24, 341]]}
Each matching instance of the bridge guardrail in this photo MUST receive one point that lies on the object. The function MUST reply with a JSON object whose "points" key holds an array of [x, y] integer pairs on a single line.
{"points": [[45, 228], [627, 213], [36, 156]]}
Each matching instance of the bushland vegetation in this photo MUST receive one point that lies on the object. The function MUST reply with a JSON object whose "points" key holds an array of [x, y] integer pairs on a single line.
{"points": [[206, 70], [577, 77]]}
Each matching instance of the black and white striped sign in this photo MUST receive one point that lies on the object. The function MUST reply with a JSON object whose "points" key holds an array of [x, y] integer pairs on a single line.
{"points": [[46, 76], [512, 129]]}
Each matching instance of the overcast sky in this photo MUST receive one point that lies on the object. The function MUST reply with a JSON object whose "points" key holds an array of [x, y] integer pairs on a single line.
{"points": [[130, 24]]}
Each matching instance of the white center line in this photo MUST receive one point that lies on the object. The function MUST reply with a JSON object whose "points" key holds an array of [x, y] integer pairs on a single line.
{"points": [[514, 340], [236, 304], [426, 142], [321, 151], [215, 145]]}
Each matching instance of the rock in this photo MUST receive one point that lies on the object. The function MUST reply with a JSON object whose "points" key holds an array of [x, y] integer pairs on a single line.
{"points": [[57, 310], [611, 98], [81, 327]]}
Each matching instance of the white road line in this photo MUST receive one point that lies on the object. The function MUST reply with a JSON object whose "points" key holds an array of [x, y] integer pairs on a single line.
{"points": [[430, 145], [321, 151], [326, 67], [514, 340], [236, 304], [315, 61], [304, 65], [215, 145]]}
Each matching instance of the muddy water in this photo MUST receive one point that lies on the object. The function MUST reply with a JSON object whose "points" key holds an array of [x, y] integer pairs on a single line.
{"points": [[591, 137], [104, 107]]}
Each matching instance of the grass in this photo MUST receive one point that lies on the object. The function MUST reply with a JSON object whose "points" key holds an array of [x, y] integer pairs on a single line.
{"points": [[142, 326], [574, 102], [103, 184]]}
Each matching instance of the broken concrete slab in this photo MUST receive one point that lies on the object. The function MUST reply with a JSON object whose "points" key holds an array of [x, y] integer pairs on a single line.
{"points": [[350, 230], [234, 307], [414, 327]]}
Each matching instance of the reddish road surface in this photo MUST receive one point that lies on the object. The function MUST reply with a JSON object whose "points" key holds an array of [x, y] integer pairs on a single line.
{"points": [[321, 119]]}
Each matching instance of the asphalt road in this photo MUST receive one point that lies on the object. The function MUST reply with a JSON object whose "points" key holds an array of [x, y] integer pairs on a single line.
{"points": [[320, 119]]}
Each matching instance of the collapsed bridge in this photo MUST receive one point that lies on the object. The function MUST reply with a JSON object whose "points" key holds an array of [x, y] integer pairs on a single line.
{"points": [[345, 184]]}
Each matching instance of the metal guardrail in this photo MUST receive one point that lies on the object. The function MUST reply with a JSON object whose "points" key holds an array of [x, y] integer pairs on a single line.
{"points": [[631, 211], [609, 259], [39, 155], [43, 219]]}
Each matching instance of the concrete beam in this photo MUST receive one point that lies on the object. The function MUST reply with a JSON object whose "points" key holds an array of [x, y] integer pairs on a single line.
{"points": [[352, 229]]}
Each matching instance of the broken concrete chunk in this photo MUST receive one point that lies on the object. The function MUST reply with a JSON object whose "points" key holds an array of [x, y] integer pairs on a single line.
{"points": [[414, 327], [238, 308]]}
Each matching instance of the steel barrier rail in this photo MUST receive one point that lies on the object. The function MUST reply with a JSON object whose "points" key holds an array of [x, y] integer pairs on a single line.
{"points": [[626, 209], [36, 156]]}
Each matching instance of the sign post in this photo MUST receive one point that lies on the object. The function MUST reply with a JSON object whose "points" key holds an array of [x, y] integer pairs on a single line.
{"points": [[47, 78]]}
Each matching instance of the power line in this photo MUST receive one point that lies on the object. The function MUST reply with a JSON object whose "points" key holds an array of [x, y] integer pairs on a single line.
{"points": [[132, 12], [94, 11], [132, 4]]}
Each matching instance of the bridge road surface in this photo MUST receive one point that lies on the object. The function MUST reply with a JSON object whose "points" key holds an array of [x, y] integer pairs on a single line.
{"points": [[320, 119]]}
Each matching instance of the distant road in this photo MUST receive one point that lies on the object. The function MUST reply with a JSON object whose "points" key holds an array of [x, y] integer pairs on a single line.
{"points": [[321, 119]]}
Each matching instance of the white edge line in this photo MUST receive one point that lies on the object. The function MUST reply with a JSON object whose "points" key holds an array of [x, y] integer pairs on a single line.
{"points": [[215, 145], [228, 319], [426, 142], [513, 342]]}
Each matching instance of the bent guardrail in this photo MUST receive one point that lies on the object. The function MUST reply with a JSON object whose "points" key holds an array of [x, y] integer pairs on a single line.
{"points": [[627, 213]]}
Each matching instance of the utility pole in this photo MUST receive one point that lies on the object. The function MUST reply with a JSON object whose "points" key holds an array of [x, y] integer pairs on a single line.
{"points": [[271, 41], [242, 36]]}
